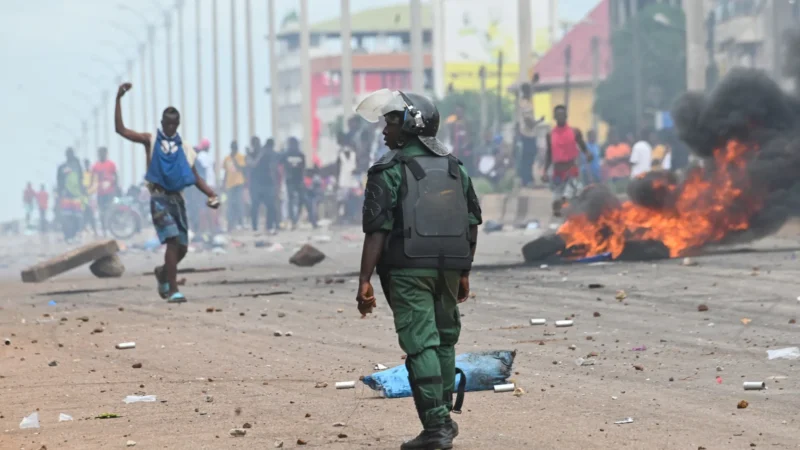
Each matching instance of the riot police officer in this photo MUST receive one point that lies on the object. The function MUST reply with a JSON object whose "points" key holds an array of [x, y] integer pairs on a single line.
{"points": [[420, 219]]}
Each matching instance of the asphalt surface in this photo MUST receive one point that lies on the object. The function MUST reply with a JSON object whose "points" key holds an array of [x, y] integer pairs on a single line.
{"points": [[681, 385]]}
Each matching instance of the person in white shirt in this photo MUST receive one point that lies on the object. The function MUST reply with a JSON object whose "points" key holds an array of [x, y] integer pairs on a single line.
{"points": [[641, 156]]}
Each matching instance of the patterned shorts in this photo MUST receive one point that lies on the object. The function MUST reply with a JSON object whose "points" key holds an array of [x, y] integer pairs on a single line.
{"points": [[169, 217], [566, 187]]}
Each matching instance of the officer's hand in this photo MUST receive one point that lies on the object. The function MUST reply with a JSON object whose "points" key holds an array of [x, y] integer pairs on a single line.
{"points": [[365, 298], [463, 288]]}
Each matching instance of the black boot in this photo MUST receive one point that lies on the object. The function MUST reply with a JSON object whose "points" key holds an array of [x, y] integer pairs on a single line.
{"points": [[452, 426], [439, 438]]}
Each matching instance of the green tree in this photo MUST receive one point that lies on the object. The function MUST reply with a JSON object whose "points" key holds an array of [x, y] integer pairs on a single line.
{"points": [[663, 68]]}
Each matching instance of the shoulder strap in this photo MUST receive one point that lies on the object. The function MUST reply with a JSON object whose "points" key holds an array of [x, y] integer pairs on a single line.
{"points": [[388, 160], [413, 166]]}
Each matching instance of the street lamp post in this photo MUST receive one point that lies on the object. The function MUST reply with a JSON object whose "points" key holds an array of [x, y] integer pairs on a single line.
{"points": [[151, 38], [181, 73], [251, 108], [199, 70], [217, 152], [234, 87]]}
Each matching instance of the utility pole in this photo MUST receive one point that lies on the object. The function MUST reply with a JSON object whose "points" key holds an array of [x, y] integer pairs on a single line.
{"points": [[305, 74], [214, 36], [251, 105], [145, 123], [151, 34], [85, 138], [595, 76], [181, 72], [273, 71], [417, 55], [199, 70], [96, 114], [695, 51], [234, 87], [484, 105], [525, 39], [637, 65], [552, 25], [106, 127], [567, 74], [168, 31], [346, 82], [438, 53], [499, 112]]}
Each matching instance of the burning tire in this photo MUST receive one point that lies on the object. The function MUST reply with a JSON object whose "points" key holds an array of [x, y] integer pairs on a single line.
{"points": [[543, 248]]}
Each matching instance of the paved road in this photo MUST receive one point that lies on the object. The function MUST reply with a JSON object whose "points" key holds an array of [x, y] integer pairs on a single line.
{"points": [[254, 377]]}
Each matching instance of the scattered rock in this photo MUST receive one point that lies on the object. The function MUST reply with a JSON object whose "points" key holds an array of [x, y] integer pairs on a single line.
{"points": [[596, 286], [210, 309], [263, 314], [238, 410], [671, 379], [108, 267], [278, 444], [83, 319], [519, 392], [321, 384], [130, 444], [301, 442], [702, 308], [638, 367], [689, 262], [338, 425], [792, 321], [209, 399], [281, 315], [247, 426], [238, 432], [742, 404], [289, 333], [596, 314], [277, 333], [137, 366], [241, 314], [307, 256], [340, 310], [621, 295], [97, 330], [341, 436], [308, 415], [52, 363], [719, 369]]}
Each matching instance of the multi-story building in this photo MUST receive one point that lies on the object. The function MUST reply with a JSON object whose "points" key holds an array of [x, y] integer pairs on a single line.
{"points": [[381, 59], [750, 33]]}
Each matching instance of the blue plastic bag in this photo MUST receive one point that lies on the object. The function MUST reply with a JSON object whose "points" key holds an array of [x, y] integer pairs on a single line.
{"points": [[482, 369]]}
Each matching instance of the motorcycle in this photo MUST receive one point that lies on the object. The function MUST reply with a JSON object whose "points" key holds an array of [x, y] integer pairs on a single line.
{"points": [[124, 218]]}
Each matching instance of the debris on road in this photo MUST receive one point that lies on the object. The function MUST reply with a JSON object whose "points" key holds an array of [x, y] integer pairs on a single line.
{"points": [[379, 366], [702, 308], [321, 384], [237, 432], [64, 417], [31, 421], [504, 387], [624, 421], [621, 295], [638, 367], [689, 262], [108, 267], [584, 362], [137, 365], [70, 260], [745, 320], [277, 333], [563, 323], [754, 385], [126, 345], [52, 363], [596, 286], [742, 404], [139, 399], [7, 341], [345, 384], [341, 436], [640, 348], [247, 426], [538, 321], [596, 314], [301, 442], [519, 392], [307, 256], [278, 444], [130, 443], [108, 416], [790, 353], [289, 333]]}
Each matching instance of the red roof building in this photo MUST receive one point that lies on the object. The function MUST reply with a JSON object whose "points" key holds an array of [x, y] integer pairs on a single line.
{"points": [[596, 24]]}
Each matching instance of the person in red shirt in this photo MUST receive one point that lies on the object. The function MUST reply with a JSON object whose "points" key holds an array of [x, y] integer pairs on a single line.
{"points": [[42, 198], [28, 196], [563, 144], [104, 176]]}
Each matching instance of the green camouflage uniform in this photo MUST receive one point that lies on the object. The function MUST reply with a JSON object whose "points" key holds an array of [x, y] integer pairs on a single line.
{"points": [[427, 329]]}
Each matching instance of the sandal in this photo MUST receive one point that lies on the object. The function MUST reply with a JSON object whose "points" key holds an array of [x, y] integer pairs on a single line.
{"points": [[163, 286], [176, 298]]}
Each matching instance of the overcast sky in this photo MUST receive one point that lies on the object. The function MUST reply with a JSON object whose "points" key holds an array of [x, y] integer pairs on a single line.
{"points": [[60, 56]]}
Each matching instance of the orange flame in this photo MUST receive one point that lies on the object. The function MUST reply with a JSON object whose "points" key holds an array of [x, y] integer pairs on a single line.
{"points": [[707, 207]]}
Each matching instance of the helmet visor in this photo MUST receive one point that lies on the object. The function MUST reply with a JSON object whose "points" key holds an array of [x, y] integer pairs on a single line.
{"points": [[380, 103]]}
